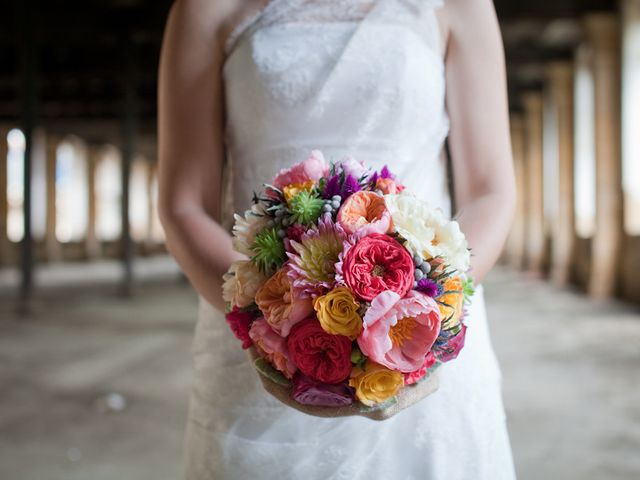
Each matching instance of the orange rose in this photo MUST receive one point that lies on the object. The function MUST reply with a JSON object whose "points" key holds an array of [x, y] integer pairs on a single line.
{"points": [[280, 305]]}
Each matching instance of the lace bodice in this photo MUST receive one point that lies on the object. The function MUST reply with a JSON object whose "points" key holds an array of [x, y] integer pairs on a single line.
{"points": [[356, 77]]}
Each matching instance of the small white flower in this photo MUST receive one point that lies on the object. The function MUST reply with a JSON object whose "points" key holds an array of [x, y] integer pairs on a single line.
{"points": [[241, 283], [246, 228], [427, 231]]}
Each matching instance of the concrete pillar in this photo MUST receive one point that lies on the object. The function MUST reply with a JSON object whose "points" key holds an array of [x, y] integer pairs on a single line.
{"points": [[603, 34], [560, 83], [516, 242], [534, 236], [53, 249], [92, 246], [4, 207]]}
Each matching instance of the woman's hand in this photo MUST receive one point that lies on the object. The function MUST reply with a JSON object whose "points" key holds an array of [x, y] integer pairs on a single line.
{"points": [[191, 148], [484, 184]]}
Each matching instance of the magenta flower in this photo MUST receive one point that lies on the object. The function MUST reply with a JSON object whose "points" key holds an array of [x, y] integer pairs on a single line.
{"points": [[240, 322], [399, 332], [447, 347], [429, 287], [309, 392]]}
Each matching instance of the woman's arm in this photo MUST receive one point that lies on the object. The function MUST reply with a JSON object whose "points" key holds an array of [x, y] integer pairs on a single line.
{"points": [[479, 140], [191, 150]]}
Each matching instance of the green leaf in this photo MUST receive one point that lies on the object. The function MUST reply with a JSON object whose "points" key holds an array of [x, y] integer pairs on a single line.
{"points": [[266, 369]]}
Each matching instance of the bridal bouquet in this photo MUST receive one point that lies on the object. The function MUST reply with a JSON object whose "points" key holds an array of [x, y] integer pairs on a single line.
{"points": [[353, 292]]}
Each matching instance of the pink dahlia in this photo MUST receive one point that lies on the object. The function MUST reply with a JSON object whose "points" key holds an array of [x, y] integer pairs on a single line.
{"points": [[313, 258], [313, 168], [399, 332]]}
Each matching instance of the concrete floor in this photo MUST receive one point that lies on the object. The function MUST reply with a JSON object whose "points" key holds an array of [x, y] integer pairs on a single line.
{"points": [[571, 382]]}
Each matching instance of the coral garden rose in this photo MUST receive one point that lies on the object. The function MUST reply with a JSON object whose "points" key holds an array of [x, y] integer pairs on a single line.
{"points": [[377, 263], [324, 357], [451, 303], [241, 283], [272, 347], [240, 322], [364, 212], [417, 375], [338, 313], [376, 383], [309, 392], [427, 232], [313, 168], [281, 306], [399, 332], [388, 186]]}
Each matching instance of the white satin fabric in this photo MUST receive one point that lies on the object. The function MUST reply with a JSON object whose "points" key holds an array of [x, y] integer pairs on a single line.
{"points": [[364, 78]]}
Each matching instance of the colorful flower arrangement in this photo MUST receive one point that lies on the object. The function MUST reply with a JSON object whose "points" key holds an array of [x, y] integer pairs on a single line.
{"points": [[353, 289]]}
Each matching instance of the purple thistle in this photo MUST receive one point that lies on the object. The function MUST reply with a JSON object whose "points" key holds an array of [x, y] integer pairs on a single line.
{"points": [[332, 187], [350, 186], [386, 173], [338, 184], [429, 287]]}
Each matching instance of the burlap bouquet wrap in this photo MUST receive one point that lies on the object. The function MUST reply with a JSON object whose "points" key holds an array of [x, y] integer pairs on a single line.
{"points": [[280, 388]]}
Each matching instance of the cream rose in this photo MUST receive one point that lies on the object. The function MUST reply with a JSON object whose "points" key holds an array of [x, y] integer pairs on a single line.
{"points": [[241, 283]]}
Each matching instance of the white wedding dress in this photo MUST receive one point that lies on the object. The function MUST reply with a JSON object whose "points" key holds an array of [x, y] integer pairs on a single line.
{"points": [[364, 78]]}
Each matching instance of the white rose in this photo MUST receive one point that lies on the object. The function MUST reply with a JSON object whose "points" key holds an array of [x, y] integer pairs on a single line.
{"points": [[427, 231]]}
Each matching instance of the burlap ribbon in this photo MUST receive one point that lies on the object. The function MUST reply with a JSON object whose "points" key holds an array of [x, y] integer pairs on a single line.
{"points": [[407, 396]]}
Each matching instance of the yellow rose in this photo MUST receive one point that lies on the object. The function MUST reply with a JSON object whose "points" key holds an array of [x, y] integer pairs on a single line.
{"points": [[376, 383], [452, 311], [294, 189], [338, 314]]}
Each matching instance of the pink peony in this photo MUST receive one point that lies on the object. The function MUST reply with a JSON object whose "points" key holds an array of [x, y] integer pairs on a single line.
{"points": [[353, 167], [272, 347], [240, 323], [375, 264], [413, 377], [313, 168], [399, 332]]}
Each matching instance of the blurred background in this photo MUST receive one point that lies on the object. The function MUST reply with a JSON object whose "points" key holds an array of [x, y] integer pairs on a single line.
{"points": [[96, 321]]}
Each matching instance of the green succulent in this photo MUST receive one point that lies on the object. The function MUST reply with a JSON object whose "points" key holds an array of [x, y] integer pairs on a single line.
{"points": [[268, 249], [305, 208]]}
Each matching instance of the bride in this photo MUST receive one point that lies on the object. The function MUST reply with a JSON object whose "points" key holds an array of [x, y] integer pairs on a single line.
{"points": [[248, 87]]}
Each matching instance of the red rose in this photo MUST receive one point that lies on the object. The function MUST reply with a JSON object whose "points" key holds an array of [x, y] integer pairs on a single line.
{"points": [[240, 322], [375, 264], [318, 354]]}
